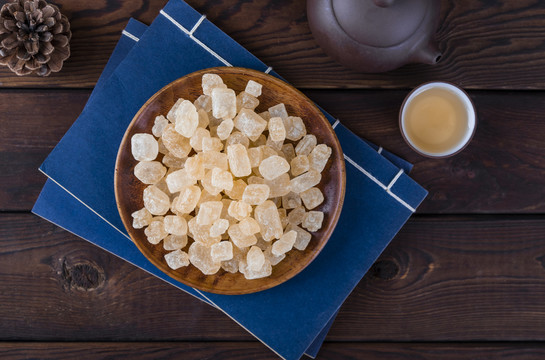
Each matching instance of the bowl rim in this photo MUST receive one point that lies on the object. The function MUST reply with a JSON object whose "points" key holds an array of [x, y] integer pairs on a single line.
{"points": [[327, 234]]}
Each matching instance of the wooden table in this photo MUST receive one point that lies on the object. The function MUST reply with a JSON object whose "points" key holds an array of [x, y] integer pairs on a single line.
{"points": [[464, 279]]}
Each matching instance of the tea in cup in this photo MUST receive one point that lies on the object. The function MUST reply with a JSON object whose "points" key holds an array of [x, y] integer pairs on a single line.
{"points": [[437, 119]]}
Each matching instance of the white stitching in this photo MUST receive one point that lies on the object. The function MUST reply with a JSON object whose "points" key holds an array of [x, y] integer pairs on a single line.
{"points": [[335, 124], [197, 24], [129, 35], [212, 52], [376, 181]]}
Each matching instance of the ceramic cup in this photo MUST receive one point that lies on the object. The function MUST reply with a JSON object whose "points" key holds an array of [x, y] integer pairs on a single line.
{"points": [[437, 132]]}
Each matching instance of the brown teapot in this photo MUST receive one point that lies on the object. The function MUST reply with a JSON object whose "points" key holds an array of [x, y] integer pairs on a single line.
{"points": [[376, 35]]}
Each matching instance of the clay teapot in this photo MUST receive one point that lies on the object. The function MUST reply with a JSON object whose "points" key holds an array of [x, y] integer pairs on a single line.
{"points": [[376, 35]]}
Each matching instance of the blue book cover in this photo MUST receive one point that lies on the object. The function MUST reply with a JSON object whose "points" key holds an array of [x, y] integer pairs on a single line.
{"points": [[57, 206], [380, 196]]}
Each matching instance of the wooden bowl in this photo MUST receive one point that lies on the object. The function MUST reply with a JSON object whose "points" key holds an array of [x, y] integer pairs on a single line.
{"points": [[128, 189]]}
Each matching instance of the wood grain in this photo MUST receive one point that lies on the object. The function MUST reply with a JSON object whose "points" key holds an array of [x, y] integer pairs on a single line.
{"points": [[501, 171], [441, 279], [255, 350], [492, 44], [32, 124]]}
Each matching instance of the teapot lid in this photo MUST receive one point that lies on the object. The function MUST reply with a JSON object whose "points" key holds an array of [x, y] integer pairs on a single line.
{"points": [[380, 23]]}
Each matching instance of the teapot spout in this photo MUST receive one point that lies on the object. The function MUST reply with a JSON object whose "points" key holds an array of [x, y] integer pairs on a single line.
{"points": [[427, 54]]}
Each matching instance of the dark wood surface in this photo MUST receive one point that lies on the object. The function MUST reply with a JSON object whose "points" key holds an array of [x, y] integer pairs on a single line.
{"points": [[464, 279]]}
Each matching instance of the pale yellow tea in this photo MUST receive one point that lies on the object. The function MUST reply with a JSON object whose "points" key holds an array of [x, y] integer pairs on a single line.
{"points": [[436, 120]]}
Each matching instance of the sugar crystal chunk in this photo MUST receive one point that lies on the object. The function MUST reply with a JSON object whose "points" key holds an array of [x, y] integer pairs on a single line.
{"points": [[312, 221], [268, 151], [222, 179], [312, 197], [255, 155], [319, 156], [239, 210], [171, 113], [249, 226], [162, 147], [188, 199], [246, 101], [303, 237], [179, 179], [278, 111], [224, 103], [295, 217], [211, 81], [255, 180], [156, 201], [162, 185], [175, 242], [177, 144], [299, 165], [250, 124], [175, 225], [238, 189], [261, 140], [264, 271], [196, 140], [204, 120], [141, 218], [277, 131], [277, 201], [155, 232], [173, 162], [219, 227], [295, 128], [232, 265], [222, 251], [285, 243], [149, 172], [274, 259], [253, 88], [255, 258], [305, 181], [240, 239], [237, 137], [212, 144], [204, 102], [201, 257], [225, 128], [239, 163], [206, 183], [194, 166], [273, 166], [209, 212], [144, 147], [306, 145], [201, 233], [267, 216], [289, 152], [283, 217], [256, 194], [177, 259], [279, 186], [212, 159], [276, 145], [187, 119], [206, 196], [159, 125], [291, 200]]}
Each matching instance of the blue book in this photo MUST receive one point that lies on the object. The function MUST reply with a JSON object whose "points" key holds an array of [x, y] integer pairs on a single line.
{"points": [[380, 196], [59, 207]]}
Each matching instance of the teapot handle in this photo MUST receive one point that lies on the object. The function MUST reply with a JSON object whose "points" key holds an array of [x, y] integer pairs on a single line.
{"points": [[384, 3]]}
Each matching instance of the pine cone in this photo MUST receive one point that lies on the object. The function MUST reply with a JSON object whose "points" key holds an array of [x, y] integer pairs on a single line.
{"points": [[34, 37]]}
